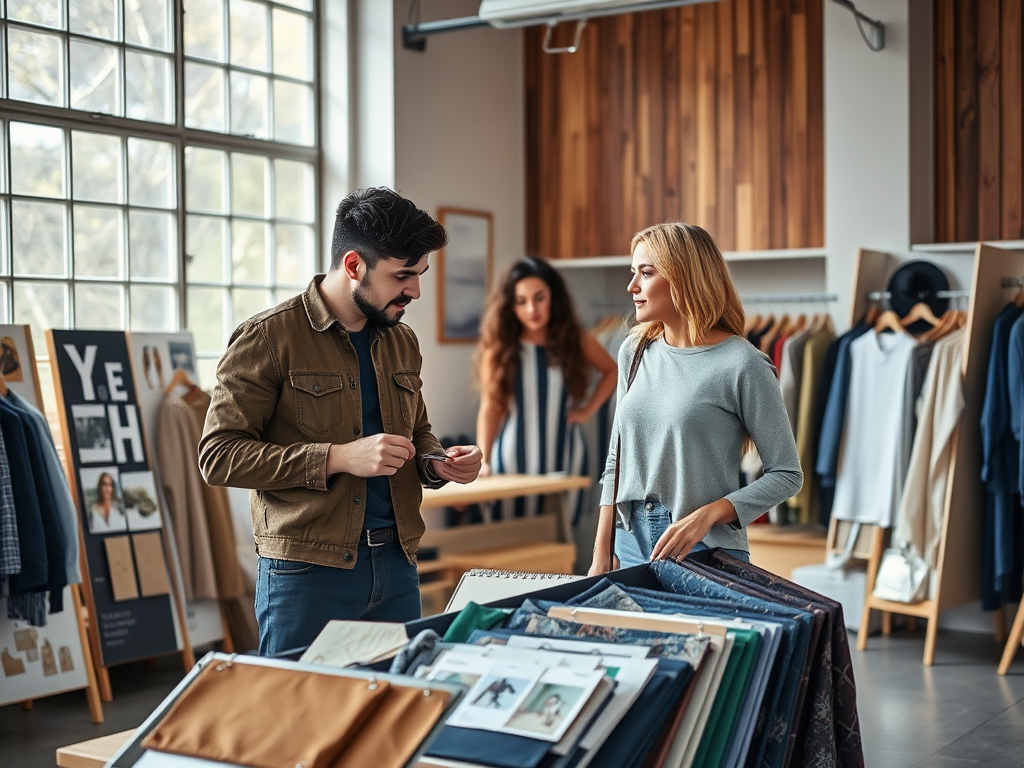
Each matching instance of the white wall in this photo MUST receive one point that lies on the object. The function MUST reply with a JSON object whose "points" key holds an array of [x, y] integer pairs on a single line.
{"points": [[878, 142], [459, 141]]}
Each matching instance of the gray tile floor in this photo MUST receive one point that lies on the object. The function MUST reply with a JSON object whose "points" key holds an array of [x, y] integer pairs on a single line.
{"points": [[954, 714]]}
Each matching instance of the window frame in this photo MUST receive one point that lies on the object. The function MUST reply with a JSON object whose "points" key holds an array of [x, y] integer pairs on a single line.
{"points": [[175, 133]]}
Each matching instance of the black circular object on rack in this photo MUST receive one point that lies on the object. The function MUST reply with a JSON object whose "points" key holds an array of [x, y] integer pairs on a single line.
{"points": [[916, 281]]}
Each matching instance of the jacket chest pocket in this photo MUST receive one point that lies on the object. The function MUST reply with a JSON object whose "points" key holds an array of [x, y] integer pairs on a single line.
{"points": [[319, 400], [408, 384]]}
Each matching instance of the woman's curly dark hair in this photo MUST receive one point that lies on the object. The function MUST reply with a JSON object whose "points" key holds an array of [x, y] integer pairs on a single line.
{"points": [[501, 329]]}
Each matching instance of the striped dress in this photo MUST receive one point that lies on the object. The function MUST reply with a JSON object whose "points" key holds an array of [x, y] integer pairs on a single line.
{"points": [[536, 438]]}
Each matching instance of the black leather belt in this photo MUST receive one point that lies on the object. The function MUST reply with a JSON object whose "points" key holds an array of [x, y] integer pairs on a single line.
{"points": [[378, 537]]}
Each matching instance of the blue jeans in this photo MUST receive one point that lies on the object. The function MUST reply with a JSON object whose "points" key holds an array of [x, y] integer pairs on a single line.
{"points": [[295, 600], [649, 519]]}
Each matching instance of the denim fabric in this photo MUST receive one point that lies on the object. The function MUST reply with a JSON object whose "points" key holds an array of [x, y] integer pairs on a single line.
{"points": [[606, 595], [775, 721], [663, 645], [812, 728], [295, 600], [530, 608], [843, 705], [422, 649], [648, 520]]}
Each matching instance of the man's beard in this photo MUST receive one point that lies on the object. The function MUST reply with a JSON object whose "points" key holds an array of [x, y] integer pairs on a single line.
{"points": [[375, 315]]}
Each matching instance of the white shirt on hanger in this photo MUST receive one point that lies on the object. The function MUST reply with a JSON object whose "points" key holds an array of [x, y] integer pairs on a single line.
{"points": [[877, 433]]}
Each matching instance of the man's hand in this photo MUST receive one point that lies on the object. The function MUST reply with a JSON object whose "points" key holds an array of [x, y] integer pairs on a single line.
{"points": [[463, 464], [374, 456]]}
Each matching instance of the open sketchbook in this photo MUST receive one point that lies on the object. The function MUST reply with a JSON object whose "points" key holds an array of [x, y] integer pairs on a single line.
{"points": [[482, 585]]}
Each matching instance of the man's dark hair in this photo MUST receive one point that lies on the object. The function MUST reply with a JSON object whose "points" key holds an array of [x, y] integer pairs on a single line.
{"points": [[379, 223]]}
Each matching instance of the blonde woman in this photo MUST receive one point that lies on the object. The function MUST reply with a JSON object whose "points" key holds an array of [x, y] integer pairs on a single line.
{"points": [[691, 392]]}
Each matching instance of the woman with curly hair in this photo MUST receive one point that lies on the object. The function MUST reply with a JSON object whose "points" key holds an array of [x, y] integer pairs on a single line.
{"points": [[535, 365]]}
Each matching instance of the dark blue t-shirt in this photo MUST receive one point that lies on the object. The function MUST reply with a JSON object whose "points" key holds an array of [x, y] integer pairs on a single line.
{"points": [[380, 512]]}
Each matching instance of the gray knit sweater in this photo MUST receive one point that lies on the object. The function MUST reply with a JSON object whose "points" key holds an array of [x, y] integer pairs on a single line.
{"points": [[683, 424]]}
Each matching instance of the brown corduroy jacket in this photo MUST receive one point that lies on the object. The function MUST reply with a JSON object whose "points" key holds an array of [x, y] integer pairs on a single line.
{"points": [[287, 389]]}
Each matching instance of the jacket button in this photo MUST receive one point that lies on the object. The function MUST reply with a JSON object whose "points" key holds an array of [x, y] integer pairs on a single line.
{"points": [[352, 384], [649, 506], [347, 557], [356, 430], [316, 387], [357, 500]]}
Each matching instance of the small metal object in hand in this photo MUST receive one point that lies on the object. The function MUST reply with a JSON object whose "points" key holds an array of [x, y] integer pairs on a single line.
{"points": [[434, 457]]}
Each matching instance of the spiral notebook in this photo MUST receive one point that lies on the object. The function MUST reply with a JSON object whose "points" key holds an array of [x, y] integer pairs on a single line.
{"points": [[482, 585]]}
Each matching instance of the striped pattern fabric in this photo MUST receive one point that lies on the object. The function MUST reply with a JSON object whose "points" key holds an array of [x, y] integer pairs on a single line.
{"points": [[536, 438]]}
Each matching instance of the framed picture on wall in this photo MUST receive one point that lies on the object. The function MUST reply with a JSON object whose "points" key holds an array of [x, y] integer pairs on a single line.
{"points": [[464, 274]]}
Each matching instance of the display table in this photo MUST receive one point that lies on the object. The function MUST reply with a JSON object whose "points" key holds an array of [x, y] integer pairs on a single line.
{"points": [[93, 753], [497, 487], [534, 544], [781, 548]]}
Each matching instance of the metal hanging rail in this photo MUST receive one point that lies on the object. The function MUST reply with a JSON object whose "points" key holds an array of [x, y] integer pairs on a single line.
{"points": [[790, 298]]}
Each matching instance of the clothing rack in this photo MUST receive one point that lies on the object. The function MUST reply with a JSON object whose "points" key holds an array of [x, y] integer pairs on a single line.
{"points": [[956, 578], [790, 298]]}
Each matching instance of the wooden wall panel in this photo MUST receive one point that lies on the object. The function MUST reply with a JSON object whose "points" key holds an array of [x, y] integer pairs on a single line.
{"points": [[979, 92], [709, 113]]}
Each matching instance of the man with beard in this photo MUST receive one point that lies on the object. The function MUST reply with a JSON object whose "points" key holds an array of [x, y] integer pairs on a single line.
{"points": [[318, 410]]}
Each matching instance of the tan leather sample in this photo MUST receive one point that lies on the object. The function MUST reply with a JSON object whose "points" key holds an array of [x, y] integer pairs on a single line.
{"points": [[150, 563], [122, 568], [266, 717], [12, 664], [400, 724]]}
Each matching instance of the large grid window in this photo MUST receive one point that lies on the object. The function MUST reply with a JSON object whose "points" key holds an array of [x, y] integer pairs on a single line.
{"points": [[152, 184]]}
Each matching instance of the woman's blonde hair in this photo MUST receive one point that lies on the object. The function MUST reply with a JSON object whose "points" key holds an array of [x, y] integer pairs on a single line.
{"points": [[700, 284]]}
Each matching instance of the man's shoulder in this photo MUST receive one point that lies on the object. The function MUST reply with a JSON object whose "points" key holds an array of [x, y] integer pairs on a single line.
{"points": [[287, 312]]}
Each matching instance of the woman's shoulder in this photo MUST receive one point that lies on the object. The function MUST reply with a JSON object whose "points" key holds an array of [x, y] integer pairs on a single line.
{"points": [[750, 359]]}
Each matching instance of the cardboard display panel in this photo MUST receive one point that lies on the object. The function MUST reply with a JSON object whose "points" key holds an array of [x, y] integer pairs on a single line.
{"points": [[104, 446], [163, 363], [26, 674]]}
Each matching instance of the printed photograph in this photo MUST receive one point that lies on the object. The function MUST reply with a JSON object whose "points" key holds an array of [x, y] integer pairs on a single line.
{"points": [[140, 501], [499, 692], [545, 709], [460, 678], [182, 357], [10, 362], [104, 502], [92, 431]]}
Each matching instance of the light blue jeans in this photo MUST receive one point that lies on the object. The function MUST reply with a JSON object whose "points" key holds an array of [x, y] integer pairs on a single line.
{"points": [[649, 519]]}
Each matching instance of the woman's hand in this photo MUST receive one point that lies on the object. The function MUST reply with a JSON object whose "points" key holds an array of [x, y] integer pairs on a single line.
{"points": [[681, 537], [577, 416], [602, 563], [485, 469]]}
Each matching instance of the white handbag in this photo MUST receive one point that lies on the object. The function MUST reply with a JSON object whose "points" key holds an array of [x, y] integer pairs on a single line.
{"points": [[902, 575]]}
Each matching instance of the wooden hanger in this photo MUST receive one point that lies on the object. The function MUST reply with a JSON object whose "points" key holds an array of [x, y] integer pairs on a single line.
{"points": [[889, 320], [180, 378], [947, 323], [920, 311]]}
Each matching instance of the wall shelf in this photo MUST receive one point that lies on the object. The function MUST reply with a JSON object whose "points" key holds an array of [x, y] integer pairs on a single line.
{"points": [[966, 248], [598, 262]]}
